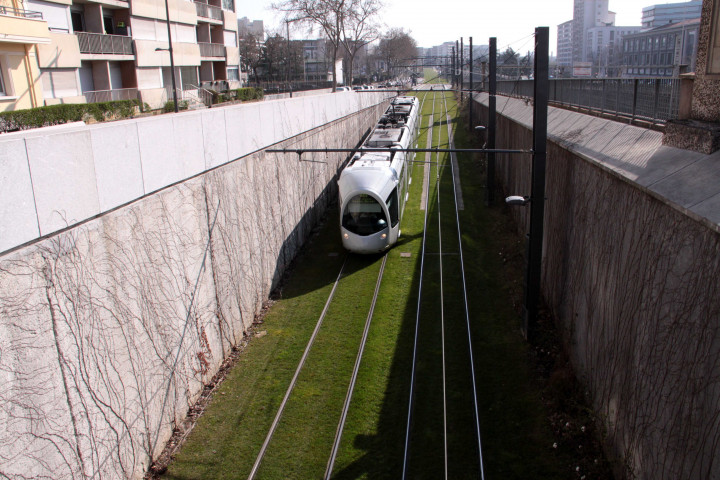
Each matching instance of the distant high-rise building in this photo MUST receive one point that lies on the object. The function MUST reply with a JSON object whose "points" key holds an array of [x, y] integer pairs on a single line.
{"points": [[588, 14], [590, 39], [658, 15], [564, 44], [256, 28]]}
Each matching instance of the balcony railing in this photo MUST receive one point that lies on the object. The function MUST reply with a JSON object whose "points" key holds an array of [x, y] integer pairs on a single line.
{"points": [[101, 43], [97, 96], [16, 12], [652, 99], [212, 49], [208, 11]]}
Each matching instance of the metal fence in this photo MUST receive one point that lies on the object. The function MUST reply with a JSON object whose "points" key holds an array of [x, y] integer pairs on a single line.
{"points": [[96, 96], [295, 86], [18, 12], [102, 43], [651, 99]]}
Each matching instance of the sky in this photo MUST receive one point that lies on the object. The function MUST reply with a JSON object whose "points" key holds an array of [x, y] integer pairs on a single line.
{"points": [[432, 22]]}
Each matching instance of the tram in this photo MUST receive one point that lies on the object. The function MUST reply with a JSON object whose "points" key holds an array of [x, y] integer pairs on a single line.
{"points": [[374, 185]]}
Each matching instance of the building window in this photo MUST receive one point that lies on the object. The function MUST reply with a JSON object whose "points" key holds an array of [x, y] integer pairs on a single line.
{"points": [[78, 20], [3, 92], [233, 74]]}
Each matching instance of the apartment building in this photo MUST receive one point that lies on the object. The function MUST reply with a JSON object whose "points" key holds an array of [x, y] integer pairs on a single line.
{"points": [[21, 31], [102, 50]]}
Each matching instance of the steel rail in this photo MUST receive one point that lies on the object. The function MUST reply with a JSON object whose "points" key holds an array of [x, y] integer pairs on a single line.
{"points": [[467, 312], [411, 402], [442, 301], [281, 409], [353, 378]]}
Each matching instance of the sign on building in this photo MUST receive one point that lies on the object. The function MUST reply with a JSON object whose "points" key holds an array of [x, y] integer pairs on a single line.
{"points": [[582, 69]]}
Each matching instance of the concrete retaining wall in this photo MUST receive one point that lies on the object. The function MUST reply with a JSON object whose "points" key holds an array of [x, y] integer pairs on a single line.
{"points": [[630, 269], [60, 177], [109, 329]]}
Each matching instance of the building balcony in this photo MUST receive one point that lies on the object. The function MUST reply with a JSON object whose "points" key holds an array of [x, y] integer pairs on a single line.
{"points": [[96, 96], [23, 26], [209, 12], [212, 50], [102, 44]]}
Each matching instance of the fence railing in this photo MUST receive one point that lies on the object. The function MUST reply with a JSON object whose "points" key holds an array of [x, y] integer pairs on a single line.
{"points": [[96, 96], [102, 43], [208, 11], [295, 86], [651, 99], [211, 49], [18, 12], [198, 94]]}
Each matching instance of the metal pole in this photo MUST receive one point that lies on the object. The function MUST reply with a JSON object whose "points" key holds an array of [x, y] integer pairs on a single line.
{"points": [[457, 63], [462, 68], [452, 75], [172, 61], [483, 75], [470, 100], [492, 111], [287, 60], [537, 194]]}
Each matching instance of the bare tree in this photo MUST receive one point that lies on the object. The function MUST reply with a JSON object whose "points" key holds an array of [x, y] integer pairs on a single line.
{"points": [[250, 54], [360, 30], [329, 15], [397, 47], [275, 55]]}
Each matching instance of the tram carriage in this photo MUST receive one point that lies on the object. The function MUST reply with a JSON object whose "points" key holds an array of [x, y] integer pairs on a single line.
{"points": [[374, 185]]}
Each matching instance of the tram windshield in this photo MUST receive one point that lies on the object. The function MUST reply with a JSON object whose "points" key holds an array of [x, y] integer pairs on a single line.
{"points": [[364, 216]]}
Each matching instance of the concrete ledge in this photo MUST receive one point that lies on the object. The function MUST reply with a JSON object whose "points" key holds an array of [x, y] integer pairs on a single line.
{"points": [[59, 176]]}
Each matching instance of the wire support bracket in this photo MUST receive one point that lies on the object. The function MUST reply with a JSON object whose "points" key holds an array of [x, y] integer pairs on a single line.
{"points": [[392, 149]]}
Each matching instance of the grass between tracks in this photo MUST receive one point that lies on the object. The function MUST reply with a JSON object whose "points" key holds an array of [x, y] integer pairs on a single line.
{"points": [[516, 434]]}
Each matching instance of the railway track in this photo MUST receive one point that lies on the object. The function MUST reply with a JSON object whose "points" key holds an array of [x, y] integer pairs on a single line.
{"points": [[436, 367], [341, 414], [410, 409]]}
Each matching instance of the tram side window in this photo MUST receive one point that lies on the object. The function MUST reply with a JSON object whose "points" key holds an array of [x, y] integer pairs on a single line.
{"points": [[392, 204]]}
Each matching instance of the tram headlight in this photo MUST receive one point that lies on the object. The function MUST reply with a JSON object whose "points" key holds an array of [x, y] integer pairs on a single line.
{"points": [[383, 236], [346, 236]]}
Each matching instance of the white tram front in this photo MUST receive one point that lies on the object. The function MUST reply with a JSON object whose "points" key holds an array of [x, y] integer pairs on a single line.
{"points": [[374, 185]]}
